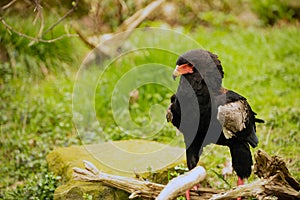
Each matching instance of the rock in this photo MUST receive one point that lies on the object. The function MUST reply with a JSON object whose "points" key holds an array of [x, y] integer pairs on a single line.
{"points": [[148, 159]]}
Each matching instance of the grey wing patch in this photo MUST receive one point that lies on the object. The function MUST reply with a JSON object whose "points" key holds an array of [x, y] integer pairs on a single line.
{"points": [[233, 117], [169, 114]]}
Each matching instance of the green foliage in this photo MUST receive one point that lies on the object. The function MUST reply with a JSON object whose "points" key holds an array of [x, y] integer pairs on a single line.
{"points": [[149, 94], [270, 11], [39, 187], [35, 118], [87, 196], [37, 59], [177, 171]]}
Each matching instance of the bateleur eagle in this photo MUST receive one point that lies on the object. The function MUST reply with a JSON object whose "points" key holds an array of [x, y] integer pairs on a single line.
{"points": [[205, 112]]}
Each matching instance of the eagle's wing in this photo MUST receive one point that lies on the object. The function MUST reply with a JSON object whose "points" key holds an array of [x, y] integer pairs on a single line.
{"points": [[234, 117]]}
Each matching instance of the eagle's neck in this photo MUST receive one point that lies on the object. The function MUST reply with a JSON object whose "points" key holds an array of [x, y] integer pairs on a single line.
{"points": [[200, 85]]}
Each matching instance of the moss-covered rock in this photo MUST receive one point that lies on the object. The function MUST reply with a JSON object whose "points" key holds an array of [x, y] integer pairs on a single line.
{"points": [[74, 190], [149, 159]]}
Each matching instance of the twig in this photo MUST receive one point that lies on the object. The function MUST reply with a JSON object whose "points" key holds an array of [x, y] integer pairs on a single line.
{"points": [[138, 17], [110, 47], [8, 5], [84, 39], [124, 6], [62, 18], [33, 38], [268, 135], [40, 15]]}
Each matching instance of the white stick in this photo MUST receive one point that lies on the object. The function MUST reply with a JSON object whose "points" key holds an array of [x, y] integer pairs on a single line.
{"points": [[179, 185]]}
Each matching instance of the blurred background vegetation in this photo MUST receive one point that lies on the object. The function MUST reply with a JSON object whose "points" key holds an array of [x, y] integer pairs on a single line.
{"points": [[257, 41]]}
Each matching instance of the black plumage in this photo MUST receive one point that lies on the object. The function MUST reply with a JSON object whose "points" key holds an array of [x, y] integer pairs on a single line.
{"points": [[205, 112]]}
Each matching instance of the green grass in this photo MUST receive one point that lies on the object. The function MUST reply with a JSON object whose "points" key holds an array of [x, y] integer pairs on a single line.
{"points": [[36, 113]]}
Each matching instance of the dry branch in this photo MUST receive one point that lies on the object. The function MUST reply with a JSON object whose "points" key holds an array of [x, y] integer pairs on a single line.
{"points": [[137, 18], [8, 4], [138, 188], [74, 6], [111, 42], [135, 187], [252, 189], [276, 181], [9, 28], [267, 166], [39, 15]]}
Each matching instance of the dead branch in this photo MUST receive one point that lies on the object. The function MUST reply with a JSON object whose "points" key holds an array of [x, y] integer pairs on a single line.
{"points": [[261, 189], [267, 166], [40, 15], [180, 184], [136, 188], [276, 181], [40, 33], [140, 188], [252, 189], [137, 18], [110, 43], [75, 4], [33, 38], [8, 4]]}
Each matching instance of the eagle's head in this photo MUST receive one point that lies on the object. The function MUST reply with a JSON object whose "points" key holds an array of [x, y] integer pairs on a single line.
{"points": [[197, 60], [200, 64]]}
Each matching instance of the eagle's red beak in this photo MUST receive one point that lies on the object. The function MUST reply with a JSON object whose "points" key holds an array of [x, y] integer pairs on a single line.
{"points": [[182, 69]]}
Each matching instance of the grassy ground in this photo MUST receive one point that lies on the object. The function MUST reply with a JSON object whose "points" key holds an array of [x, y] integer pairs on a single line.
{"points": [[36, 113]]}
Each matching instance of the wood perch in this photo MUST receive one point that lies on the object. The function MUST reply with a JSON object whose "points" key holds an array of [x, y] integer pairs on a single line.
{"points": [[275, 183], [138, 188]]}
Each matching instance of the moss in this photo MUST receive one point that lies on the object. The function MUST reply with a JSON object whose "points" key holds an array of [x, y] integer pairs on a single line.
{"points": [[75, 190], [151, 160]]}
